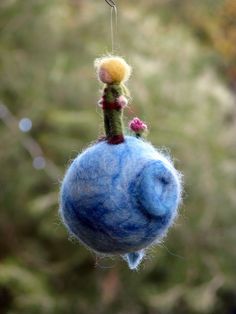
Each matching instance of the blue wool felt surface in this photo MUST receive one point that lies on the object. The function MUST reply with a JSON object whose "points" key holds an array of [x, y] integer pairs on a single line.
{"points": [[134, 259], [119, 199]]}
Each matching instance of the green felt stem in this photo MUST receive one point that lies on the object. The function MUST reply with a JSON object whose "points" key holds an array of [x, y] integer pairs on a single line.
{"points": [[113, 122], [113, 118]]}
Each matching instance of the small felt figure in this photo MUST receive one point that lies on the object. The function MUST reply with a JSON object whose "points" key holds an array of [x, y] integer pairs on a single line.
{"points": [[113, 71], [120, 195]]}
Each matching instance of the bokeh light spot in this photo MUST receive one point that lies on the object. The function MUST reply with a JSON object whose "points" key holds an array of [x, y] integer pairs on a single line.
{"points": [[25, 124], [39, 163]]}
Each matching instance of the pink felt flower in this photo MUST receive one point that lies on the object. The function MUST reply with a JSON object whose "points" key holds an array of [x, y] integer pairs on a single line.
{"points": [[137, 125]]}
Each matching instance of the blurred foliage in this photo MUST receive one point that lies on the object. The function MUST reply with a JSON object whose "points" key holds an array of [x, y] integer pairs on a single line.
{"points": [[183, 53]]}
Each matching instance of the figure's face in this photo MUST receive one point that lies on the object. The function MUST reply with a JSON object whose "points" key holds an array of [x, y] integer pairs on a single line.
{"points": [[104, 76]]}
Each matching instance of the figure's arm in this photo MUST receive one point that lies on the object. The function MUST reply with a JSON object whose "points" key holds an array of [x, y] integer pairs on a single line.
{"points": [[100, 102], [122, 101], [105, 96]]}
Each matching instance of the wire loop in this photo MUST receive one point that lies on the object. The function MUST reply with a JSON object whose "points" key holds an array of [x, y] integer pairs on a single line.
{"points": [[111, 3]]}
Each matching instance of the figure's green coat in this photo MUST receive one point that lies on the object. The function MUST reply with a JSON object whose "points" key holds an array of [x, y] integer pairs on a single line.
{"points": [[113, 123]]}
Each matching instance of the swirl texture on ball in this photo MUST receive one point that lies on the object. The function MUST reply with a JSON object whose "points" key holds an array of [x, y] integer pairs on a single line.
{"points": [[119, 199]]}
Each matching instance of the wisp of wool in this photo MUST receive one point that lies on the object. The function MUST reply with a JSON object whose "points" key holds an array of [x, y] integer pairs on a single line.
{"points": [[120, 199]]}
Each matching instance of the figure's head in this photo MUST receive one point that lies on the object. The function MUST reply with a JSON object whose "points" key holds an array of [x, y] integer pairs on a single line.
{"points": [[112, 69]]}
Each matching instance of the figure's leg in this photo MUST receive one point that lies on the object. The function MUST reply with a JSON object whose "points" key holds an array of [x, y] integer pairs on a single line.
{"points": [[116, 139], [116, 127], [107, 123]]}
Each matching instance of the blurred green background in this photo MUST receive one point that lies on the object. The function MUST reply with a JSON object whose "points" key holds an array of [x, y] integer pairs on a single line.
{"points": [[183, 54]]}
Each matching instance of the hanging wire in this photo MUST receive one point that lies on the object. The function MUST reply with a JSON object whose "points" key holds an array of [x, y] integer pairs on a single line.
{"points": [[113, 33], [111, 3]]}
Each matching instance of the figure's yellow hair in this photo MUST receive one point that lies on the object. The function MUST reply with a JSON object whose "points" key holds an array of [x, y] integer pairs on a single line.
{"points": [[117, 67]]}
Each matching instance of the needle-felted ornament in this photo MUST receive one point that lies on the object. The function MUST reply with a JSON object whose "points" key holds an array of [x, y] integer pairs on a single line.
{"points": [[120, 195]]}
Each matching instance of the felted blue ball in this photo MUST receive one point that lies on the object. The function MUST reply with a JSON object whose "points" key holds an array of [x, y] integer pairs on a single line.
{"points": [[120, 199]]}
